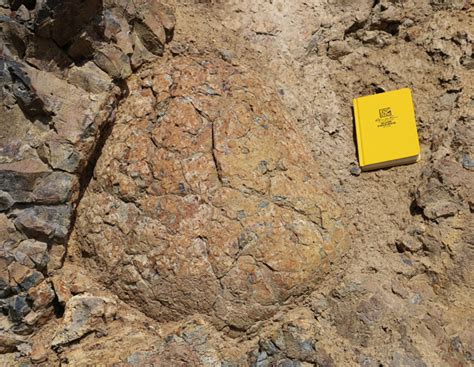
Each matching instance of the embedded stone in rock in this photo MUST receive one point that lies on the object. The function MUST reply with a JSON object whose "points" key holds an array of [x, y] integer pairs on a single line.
{"points": [[19, 182], [205, 198], [4, 286], [154, 25], [151, 33], [84, 314], [22, 278], [435, 196], [59, 22], [24, 91], [56, 188], [32, 254], [13, 37], [116, 29], [6, 201], [140, 54], [113, 61], [44, 222], [82, 46], [46, 55], [61, 156], [18, 308], [9, 342]]}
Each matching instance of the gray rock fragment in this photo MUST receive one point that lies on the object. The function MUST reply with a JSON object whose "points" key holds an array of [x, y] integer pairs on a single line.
{"points": [[356, 171], [113, 61], [84, 314], [18, 308], [44, 222], [6, 201], [468, 163], [55, 188], [32, 253]]}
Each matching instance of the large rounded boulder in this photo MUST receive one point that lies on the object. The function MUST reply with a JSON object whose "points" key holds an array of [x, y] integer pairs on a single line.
{"points": [[205, 199]]}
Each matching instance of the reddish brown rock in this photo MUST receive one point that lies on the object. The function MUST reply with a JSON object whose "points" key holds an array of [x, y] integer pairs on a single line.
{"points": [[9, 342], [113, 61], [42, 295], [39, 353], [205, 198]]}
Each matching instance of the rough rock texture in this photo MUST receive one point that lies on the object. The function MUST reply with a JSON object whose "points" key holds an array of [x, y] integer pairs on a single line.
{"points": [[205, 198], [84, 314], [56, 108], [402, 294]]}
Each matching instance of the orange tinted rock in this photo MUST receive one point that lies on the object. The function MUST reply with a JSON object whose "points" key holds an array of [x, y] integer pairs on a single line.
{"points": [[208, 202]]}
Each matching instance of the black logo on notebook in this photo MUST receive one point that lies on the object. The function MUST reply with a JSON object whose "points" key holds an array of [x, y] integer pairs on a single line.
{"points": [[385, 112], [386, 118]]}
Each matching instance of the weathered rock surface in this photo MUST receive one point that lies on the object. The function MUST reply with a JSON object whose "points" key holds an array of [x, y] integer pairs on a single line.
{"points": [[402, 295], [213, 204], [84, 314], [62, 66]]}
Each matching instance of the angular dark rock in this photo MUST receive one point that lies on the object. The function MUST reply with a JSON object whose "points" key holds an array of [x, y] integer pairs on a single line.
{"points": [[19, 185], [30, 103], [33, 278], [61, 22], [56, 188], [32, 253], [82, 46], [6, 201], [18, 308], [23, 278], [140, 54], [46, 55], [4, 287], [60, 155], [151, 33], [113, 61], [13, 37], [44, 222]]}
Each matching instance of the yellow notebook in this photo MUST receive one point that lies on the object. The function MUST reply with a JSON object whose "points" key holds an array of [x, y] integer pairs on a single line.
{"points": [[386, 129]]}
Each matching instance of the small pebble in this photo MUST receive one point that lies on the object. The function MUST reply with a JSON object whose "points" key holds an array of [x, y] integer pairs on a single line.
{"points": [[356, 171], [226, 55], [468, 163]]}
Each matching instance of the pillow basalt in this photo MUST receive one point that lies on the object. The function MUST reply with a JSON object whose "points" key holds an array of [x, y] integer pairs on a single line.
{"points": [[205, 199]]}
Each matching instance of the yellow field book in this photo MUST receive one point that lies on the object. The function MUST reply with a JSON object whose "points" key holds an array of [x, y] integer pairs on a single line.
{"points": [[386, 129]]}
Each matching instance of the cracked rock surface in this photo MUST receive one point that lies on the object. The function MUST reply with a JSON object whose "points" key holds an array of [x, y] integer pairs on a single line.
{"points": [[226, 222], [62, 66], [205, 199]]}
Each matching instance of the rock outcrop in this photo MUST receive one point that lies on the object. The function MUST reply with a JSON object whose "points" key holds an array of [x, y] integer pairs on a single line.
{"points": [[62, 67], [205, 199], [159, 205]]}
